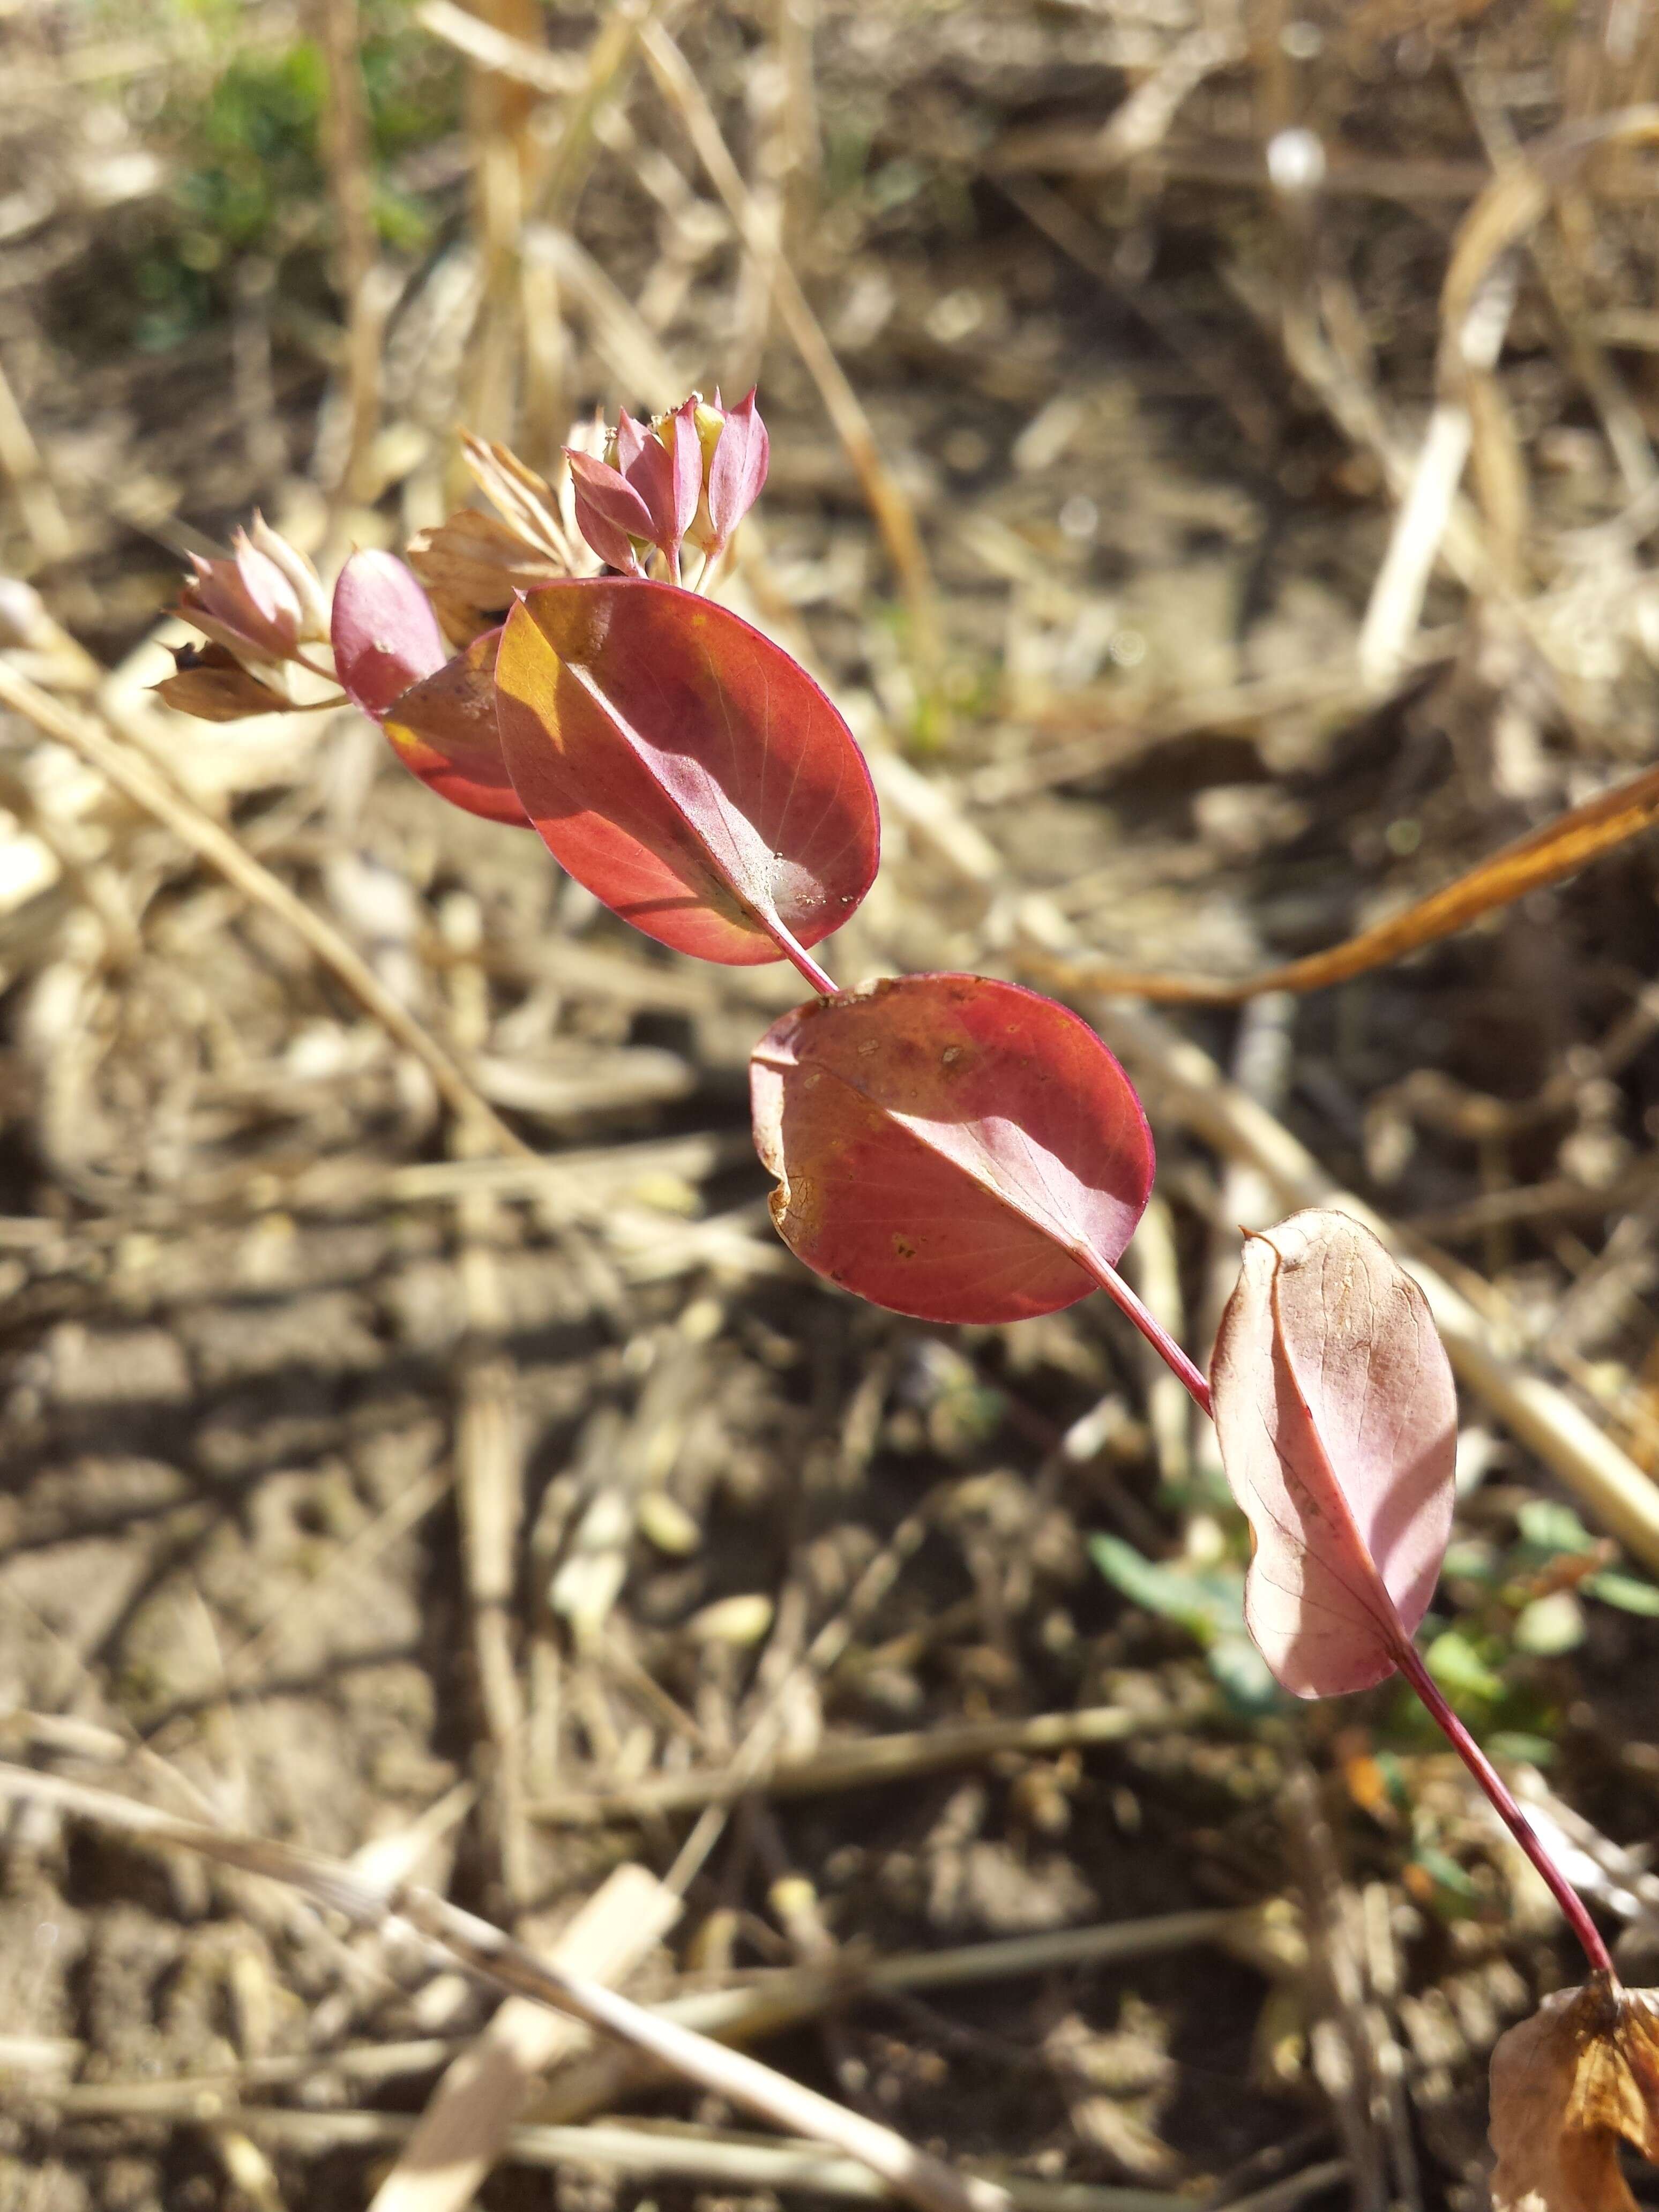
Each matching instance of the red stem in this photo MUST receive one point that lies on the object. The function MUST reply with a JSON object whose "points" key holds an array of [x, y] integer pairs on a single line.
{"points": [[1407, 1657], [819, 978], [1572, 1905], [1153, 1330]]}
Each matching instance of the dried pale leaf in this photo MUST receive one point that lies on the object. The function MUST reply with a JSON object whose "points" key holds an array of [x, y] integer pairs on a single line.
{"points": [[1561, 848], [474, 567], [1337, 1418], [527, 500], [1566, 2085], [950, 1146]]}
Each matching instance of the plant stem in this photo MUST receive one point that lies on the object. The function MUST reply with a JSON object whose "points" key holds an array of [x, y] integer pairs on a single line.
{"points": [[1153, 1330], [822, 981], [1572, 1905], [1410, 1661]]}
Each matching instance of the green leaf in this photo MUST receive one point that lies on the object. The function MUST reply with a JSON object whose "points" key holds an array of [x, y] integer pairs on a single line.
{"points": [[1176, 1594], [1551, 1527], [1208, 1604], [1521, 1744], [1629, 1592], [1244, 1673], [1460, 1670], [1445, 1872]]}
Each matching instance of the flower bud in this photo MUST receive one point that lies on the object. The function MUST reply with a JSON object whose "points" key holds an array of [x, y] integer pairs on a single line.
{"points": [[307, 585], [736, 451], [645, 492], [693, 472], [246, 604]]}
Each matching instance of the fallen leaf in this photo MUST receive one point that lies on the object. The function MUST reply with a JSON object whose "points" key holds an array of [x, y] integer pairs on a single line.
{"points": [[683, 767], [949, 1146], [444, 730], [1337, 1419], [1565, 2085]]}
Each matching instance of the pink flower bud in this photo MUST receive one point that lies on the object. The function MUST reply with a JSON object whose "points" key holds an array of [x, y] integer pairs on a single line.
{"points": [[610, 513], [737, 470], [694, 472], [303, 578], [246, 604]]}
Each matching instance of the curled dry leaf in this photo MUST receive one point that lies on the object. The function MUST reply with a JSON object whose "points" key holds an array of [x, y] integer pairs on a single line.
{"points": [[1565, 2085], [684, 769], [212, 685], [1337, 1418], [950, 1146]]}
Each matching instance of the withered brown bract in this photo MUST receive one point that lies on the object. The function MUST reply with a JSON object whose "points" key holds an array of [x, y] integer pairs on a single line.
{"points": [[1566, 2085]]}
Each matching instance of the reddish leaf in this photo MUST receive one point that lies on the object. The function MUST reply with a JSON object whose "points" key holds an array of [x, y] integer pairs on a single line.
{"points": [[684, 769], [386, 635], [444, 730], [951, 1147], [1338, 1423]]}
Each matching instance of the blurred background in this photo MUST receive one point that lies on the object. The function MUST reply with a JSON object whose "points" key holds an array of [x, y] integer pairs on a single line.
{"points": [[1213, 471]]}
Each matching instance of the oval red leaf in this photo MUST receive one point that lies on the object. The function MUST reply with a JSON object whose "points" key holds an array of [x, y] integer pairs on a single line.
{"points": [[385, 634], [445, 732], [683, 767], [1337, 1418], [952, 1147]]}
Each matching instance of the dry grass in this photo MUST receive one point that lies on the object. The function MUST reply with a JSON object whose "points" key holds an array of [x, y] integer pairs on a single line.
{"points": [[1214, 471]]}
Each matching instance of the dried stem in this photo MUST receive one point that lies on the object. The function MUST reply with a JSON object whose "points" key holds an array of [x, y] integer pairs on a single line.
{"points": [[925, 2181], [139, 780], [351, 188]]}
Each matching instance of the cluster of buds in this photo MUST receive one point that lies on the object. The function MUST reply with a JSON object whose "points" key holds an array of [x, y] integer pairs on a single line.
{"points": [[688, 476], [257, 610], [692, 473]]}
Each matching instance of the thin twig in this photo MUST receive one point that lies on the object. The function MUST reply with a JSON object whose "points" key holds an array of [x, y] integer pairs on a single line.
{"points": [[661, 2152], [351, 188], [467, 2123], [864, 1764], [895, 517], [914, 2174]]}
